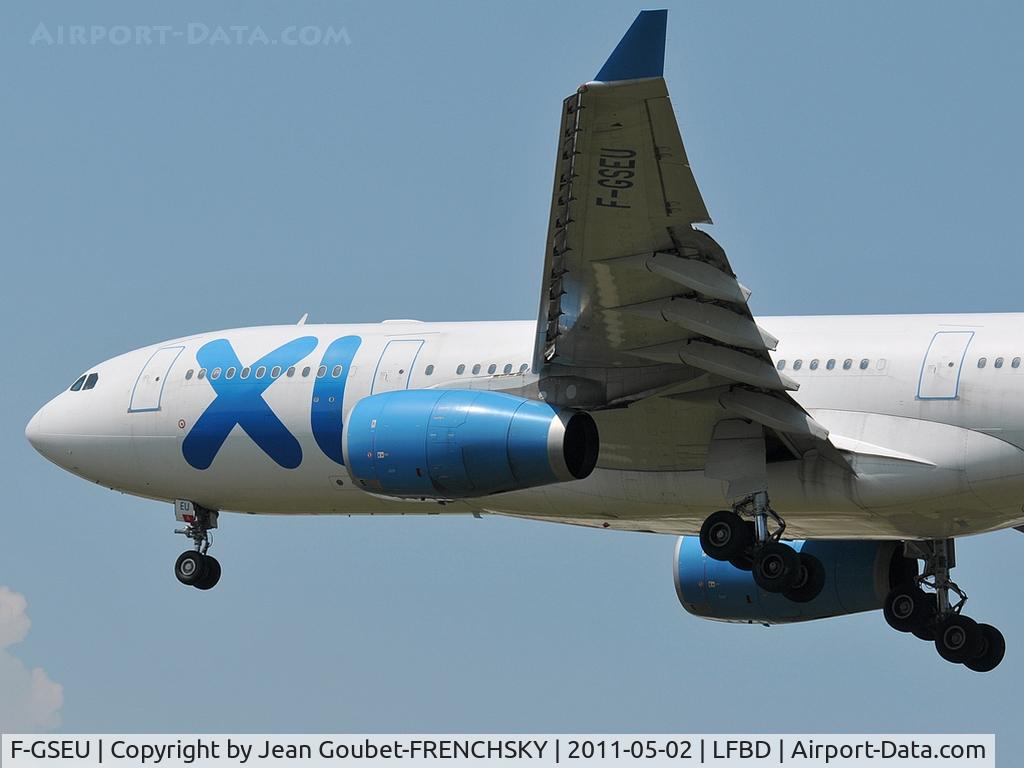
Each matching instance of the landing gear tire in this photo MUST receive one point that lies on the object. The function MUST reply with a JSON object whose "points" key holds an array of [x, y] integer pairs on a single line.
{"points": [[959, 639], [908, 609], [744, 562], [927, 632], [994, 650], [190, 568], [211, 575], [810, 580], [776, 567], [725, 536]]}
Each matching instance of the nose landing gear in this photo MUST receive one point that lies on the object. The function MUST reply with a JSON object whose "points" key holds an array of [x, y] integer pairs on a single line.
{"points": [[754, 546], [194, 567], [931, 616]]}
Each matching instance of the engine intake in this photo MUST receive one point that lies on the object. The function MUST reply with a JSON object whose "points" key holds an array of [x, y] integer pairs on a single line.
{"points": [[451, 443], [859, 574]]}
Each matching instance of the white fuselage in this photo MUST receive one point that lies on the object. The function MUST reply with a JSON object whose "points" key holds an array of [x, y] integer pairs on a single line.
{"points": [[935, 439]]}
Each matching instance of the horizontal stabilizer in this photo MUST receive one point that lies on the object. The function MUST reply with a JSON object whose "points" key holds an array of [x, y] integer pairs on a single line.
{"points": [[641, 52]]}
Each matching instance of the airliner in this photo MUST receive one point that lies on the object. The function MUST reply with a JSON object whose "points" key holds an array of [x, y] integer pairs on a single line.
{"points": [[810, 467]]}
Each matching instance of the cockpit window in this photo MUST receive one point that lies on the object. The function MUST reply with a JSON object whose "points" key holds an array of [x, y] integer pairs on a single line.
{"points": [[90, 381], [78, 384]]}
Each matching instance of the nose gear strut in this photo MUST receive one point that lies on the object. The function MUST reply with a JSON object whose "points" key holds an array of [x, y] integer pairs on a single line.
{"points": [[196, 568]]}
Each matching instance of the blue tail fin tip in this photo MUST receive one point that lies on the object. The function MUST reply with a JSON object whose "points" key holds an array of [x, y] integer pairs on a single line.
{"points": [[641, 51]]}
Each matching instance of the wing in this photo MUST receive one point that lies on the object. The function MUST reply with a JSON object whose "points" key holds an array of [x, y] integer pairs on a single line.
{"points": [[636, 302]]}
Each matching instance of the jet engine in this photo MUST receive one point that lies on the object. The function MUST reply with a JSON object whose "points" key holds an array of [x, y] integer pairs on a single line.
{"points": [[451, 444], [858, 576]]}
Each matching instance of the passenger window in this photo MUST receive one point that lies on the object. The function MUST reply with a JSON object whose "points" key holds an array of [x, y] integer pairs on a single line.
{"points": [[847, 364], [507, 368], [781, 365], [275, 371], [321, 371], [78, 384], [460, 370], [831, 363], [798, 364], [523, 367], [982, 361], [245, 373], [476, 368], [864, 364], [880, 365], [305, 371], [229, 373], [202, 374], [90, 381], [1015, 363], [998, 363], [492, 368], [336, 372], [261, 372], [290, 372], [814, 364], [215, 373]]}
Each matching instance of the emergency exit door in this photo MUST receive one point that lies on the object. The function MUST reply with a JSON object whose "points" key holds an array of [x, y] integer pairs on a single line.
{"points": [[395, 365], [943, 363]]}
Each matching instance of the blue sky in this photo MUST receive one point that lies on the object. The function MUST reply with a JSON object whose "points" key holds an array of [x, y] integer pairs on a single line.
{"points": [[859, 158]]}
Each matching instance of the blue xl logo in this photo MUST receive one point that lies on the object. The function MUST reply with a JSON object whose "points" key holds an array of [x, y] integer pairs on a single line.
{"points": [[240, 401]]}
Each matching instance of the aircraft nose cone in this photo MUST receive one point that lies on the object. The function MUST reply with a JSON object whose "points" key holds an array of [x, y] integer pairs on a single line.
{"points": [[34, 429], [40, 435]]}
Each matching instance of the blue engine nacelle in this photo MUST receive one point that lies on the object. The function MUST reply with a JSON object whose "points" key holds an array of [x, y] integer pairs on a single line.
{"points": [[452, 443], [858, 576]]}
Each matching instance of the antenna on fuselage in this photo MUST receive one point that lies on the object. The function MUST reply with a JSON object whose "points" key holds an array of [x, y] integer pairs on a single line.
{"points": [[302, 320]]}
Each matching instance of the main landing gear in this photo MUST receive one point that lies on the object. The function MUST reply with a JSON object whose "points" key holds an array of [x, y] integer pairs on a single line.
{"points": [[752, 545], [194, 567], [932, 617]]}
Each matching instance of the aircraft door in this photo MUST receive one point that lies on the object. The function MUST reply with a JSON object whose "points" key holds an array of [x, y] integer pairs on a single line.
{"points": [[149, 387], [942, 365], [395, 365]]}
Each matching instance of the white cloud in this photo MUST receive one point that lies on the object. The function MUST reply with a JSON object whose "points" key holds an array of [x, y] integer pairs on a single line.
{"points": [[29, 699]]}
